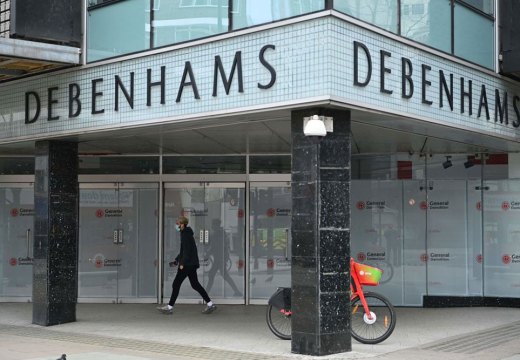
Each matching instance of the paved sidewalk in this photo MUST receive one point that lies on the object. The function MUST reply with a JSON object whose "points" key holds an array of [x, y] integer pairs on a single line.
{"points": [[139, 332]]}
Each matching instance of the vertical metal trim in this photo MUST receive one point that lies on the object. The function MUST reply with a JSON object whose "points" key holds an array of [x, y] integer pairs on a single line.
{"points": [[496, 62], [83, 54], [482, 227], [426, 213], [230, 15], [247, 260], [399, 17], [152, 13], [452, 5], [329, 4], [160, 239]]}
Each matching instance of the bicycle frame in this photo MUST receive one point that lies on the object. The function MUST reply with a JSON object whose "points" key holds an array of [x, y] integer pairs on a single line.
{"points": [[356, 289]]}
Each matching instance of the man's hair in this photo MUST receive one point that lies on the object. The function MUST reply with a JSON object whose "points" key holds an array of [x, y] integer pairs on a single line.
{"points": [[182, 220]]}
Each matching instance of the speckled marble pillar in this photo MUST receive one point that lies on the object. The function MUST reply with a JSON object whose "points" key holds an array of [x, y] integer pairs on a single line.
{"points": [[56, 199], [321, 236]]}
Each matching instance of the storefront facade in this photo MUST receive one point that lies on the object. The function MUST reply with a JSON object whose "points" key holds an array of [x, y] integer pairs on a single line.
{"points": [[207, 129]]}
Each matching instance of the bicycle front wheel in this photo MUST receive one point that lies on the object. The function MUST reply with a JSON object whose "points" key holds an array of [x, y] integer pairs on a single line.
{"points": [[278, 322], [381, 324]]}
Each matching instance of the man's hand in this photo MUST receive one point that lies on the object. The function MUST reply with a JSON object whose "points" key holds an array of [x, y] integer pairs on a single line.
{"points": [[173, 263], [181, 267]]}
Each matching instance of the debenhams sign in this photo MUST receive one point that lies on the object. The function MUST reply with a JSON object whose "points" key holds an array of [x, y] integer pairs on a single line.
{"points": [[76, 98], [415, 81]]}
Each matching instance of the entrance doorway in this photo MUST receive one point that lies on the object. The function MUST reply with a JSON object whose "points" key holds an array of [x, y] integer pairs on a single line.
{"points": [[117, 242], [216, 213], [16, 229]]}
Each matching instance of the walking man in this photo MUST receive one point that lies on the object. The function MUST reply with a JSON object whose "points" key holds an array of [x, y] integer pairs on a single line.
{"points": [[188, 263]]}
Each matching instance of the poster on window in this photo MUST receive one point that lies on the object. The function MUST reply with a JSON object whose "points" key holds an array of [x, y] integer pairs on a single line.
{"points": [[501, 249], [447, 238], [376, 233]]}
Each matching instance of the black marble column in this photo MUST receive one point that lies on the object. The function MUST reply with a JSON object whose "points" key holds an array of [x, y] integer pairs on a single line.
{"points": [[321, 236], [56, 199]]}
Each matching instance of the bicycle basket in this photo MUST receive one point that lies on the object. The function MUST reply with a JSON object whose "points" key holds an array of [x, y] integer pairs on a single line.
{"points": [[368, 275]]}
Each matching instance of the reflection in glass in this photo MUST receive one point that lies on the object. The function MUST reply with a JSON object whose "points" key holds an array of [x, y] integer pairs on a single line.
{"points": [[486, 6], [117, 237], [16, 265], [253, 12], [178, 21], [270, 241], [129, 29], [428, 23], [382, 13], [204, 164], [474, 37]]}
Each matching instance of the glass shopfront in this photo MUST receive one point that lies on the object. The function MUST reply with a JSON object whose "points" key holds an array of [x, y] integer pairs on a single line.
{"points": [[438, 225]]}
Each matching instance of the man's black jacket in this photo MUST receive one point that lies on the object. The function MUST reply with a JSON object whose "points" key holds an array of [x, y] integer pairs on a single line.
{"points": [[188, 256]]}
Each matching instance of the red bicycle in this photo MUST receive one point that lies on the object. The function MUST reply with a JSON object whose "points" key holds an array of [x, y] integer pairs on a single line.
{"points": [[372, 315]]}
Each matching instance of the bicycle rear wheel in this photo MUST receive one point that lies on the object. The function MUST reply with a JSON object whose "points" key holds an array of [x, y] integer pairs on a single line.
{"points": [[377, 329], [278, 322]]}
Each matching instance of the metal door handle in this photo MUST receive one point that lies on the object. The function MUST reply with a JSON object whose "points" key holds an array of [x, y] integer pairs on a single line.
{"points": [[120, 236], [206, 237], [201, 236], [286, 244], [115, 237], [28, 242]]}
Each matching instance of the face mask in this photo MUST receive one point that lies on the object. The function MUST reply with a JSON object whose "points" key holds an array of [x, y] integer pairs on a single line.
{"points": [[177, 228]]}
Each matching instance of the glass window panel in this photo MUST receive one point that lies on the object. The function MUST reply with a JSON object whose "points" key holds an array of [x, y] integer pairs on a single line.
{"points": [[17, 166], [377, 232], [119, 165], [176, 22], [430, 24], [16, 261], [270, 239], [486, 6], [270, 164], [253, 12], [204, 165], [382, 13], [129, 29], [501, 248], [474, 37]]}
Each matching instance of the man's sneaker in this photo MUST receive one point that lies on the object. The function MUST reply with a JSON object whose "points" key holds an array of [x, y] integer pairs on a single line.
{"points": [[209, 309], [165, 310]]}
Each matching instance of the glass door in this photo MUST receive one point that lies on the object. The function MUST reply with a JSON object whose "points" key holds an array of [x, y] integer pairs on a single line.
{"points": [[118, 242], [270, 238], [447, 240], [16, 229], [216, 213]]}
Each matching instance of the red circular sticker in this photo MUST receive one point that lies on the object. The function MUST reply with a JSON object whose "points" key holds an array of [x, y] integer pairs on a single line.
{"points": [[270, 212], [12, 261], [361, 256], [424, 257], [270, 263], [505, 205], [506, 259], [479, 258], [240, 213], [14, 212], [98, 261], [100, 213], [240, 264], [479, 205], [424, 205], [361, 205]]}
